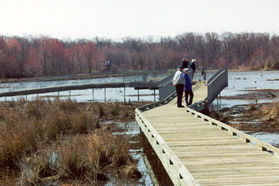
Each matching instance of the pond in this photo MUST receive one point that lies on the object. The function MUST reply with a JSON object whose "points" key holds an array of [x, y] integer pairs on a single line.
{"points": [[132, 131], [127, 94], [240, 83], [243, 82]]}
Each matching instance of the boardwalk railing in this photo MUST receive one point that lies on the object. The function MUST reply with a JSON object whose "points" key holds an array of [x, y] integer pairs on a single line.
{"points": [[176, 170], [178, 173], [143, 85], [214, 86], [166, 88], [234, 132]]}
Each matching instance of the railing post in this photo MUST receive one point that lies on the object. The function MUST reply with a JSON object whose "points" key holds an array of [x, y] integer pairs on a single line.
{"points": [[138, 95], [92, 94], [105, 95], [124, 94]]}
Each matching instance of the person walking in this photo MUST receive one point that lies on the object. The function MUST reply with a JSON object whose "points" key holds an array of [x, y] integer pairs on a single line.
{"points": [[178, 81], [188, 88]]}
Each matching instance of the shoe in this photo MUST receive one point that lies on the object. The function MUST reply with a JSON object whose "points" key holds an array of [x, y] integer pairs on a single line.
{"points": [[181, 106]]}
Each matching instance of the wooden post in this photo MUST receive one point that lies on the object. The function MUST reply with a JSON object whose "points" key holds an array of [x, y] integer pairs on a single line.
{"points": [[92, 94], [124, 94], [105, 95], [217, 103], [138, 95], [220, 99], [204, 74]]}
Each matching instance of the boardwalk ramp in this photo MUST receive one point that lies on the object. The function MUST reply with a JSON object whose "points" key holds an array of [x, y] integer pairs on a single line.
{"points": [[198, 150]]}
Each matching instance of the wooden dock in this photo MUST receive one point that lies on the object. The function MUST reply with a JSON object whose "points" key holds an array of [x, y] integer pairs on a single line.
{"points": [[198, 150]]}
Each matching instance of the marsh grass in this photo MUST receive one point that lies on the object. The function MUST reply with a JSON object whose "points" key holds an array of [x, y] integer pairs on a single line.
{"points": [[253, 104], [84, 158], [31, 132], [270, 111], [267, 112]]}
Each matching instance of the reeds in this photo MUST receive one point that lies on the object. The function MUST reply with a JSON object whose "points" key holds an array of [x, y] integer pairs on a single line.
{"points": [[270, 111], [253, 104], [84, 158], [29, 129]]}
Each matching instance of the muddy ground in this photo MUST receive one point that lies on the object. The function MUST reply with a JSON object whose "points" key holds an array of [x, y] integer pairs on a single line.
{"points": [[255, 94], [255, 116]]}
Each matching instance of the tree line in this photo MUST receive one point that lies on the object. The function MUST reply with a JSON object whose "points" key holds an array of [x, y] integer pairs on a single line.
{"points": [[45, 56]]}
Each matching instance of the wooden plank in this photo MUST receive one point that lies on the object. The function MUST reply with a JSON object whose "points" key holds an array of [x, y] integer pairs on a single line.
{"points": [[185, 128], [178, 173], [211, 151]]}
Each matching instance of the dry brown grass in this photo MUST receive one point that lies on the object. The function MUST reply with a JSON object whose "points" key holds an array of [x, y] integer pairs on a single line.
{"points": [[270, 112], [27, 129], [83, 159], [252, 106]]}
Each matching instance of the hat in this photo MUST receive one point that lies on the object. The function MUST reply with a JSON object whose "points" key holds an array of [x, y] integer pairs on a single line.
{"points": [[180, 66], [185, 69], [193, 60]]}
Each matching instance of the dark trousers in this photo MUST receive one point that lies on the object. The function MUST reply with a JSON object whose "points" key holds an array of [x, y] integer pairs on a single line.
{"points": [[189, 94], [179, 92]]}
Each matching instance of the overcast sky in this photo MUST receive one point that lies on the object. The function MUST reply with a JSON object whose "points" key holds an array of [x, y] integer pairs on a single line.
{"points": [[115, 19]]}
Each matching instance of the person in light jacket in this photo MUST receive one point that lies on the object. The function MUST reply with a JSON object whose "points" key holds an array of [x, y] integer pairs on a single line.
{"points": [[179, 81]]}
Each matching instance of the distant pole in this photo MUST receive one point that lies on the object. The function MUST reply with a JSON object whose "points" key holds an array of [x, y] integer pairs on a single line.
{"points": [[138, 95], [217, 102], [154, 96], [92, 94], [105, 95], [220, 100], [26, 97], [70, 94], [124, 94]]}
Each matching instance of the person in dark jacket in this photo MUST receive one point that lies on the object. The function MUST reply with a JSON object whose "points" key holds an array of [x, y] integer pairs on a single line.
{"points": [[192, 69], [185, 63], [188, 88]]}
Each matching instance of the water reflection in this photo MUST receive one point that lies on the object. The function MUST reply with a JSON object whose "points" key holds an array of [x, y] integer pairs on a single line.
{"points": [[132, 130], [96, 95]]}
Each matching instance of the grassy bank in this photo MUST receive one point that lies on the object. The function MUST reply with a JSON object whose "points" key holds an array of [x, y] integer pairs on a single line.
{"points": [[63, 142], [268, 112]]}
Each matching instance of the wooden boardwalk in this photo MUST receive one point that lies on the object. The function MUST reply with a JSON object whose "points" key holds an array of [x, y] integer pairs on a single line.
{"points": [[198, 150]]}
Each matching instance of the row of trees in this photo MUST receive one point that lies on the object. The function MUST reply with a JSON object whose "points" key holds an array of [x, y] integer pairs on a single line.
{"points": [[44, 56], [27, 57]]}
